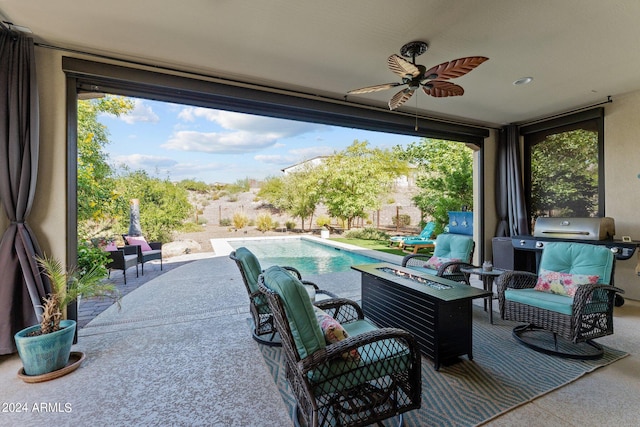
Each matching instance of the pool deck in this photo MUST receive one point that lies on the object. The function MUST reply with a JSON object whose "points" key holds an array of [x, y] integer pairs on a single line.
{"points": [[179, 352]]}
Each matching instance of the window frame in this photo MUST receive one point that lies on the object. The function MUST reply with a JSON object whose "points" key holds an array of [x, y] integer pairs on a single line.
{"points": [[172, 85], [534, 133]]}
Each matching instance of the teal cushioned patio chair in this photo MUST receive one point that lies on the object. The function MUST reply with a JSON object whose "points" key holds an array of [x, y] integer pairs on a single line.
{"points": [[424, 235], [577, 319], [263, 329], [371, 375], [455, 251]]}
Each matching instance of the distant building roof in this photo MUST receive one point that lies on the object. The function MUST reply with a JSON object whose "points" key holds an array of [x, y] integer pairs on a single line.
{"points": [[314, 161]]}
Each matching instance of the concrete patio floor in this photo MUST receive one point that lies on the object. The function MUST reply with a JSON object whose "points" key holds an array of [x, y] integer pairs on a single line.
{"points": [[179, 352]]}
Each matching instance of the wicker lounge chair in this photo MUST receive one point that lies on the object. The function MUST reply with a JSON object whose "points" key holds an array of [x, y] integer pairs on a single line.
{"points": [[250, 269], [452, 252], [424, 235], [122, 259], [545, 304], [370, 375], [147, 251]]}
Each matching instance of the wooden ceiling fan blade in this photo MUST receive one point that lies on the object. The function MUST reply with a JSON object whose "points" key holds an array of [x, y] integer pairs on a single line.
{"points": [[375, 88], [456, 68], [402, 67], [442, 89], [400, 98]]}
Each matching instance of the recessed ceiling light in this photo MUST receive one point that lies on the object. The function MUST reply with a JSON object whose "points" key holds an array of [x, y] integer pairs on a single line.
{"points": [[523, 81]]}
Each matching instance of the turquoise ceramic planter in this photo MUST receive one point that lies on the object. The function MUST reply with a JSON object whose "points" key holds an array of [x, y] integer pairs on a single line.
{"points": [[45, 353]]}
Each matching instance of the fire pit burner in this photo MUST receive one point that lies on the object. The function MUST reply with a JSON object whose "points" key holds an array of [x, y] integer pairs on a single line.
{"points": [[414, 278]]}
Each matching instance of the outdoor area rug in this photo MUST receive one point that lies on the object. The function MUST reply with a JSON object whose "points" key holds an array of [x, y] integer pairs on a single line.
{"points": [[502, 375]]}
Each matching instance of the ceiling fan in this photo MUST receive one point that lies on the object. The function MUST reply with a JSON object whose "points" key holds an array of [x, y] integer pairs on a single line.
{"points": [[433, 81]]}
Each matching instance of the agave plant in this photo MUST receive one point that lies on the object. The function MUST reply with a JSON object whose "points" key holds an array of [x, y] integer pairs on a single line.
{"points": [[68, 286]]}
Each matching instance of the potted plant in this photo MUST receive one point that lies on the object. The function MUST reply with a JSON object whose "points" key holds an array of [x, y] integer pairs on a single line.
{"points": [[46, 347]]}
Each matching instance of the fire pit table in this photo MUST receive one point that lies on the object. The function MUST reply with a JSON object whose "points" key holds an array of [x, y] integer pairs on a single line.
{"points": [[437, 311]]}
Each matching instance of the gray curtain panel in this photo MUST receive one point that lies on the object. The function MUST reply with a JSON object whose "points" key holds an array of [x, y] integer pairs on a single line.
{"points": [[22, 287], [510, 201]]}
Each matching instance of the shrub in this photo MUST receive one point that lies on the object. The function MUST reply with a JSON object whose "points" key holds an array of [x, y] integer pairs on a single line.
{"points": [[264, 222], [290, 225], [367, 234], [240, 186], [90, 256], [224, 222], [240, 220], [401, 220], [193, 185], [190, 227], [323, 220]]}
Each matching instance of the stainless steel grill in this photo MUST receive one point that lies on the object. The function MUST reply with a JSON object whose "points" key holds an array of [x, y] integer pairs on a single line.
{"points": [[597, 231], [575, 228]]}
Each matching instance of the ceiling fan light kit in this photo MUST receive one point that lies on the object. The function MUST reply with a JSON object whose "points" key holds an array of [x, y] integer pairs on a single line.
{"points": [[434, 81]]}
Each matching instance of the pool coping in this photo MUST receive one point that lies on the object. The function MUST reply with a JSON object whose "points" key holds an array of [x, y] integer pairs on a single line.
{"points": [[221, 247]]}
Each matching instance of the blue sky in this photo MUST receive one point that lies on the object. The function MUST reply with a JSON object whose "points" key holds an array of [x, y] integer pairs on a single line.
{"points": [[184, 142]]}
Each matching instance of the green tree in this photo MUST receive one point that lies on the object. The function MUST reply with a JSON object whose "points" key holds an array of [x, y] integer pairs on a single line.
{"points": [[273, 191], [564, 174], [297, 193], [303, 193], [445, 177], [95, 197], [163, 205], [355, 180]]}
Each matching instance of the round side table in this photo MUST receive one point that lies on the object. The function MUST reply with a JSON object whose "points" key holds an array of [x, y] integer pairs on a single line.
{"points": [[487, 277]]}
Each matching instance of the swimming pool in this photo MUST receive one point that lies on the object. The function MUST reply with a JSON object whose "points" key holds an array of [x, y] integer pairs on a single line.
{"points": [[306, 256]]}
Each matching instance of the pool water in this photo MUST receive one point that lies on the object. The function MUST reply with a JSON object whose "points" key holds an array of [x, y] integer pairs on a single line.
{"points": [[306, 256]]}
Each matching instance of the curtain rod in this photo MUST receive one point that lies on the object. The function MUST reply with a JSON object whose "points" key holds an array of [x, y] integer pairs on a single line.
{"points": [[566, 113], [232, 82]]}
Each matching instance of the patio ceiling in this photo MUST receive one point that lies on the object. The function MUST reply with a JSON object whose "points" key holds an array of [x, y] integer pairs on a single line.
{"points": [[578, 51]]}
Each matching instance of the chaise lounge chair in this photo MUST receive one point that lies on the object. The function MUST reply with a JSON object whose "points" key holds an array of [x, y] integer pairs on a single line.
{"points": [[425, 234]]}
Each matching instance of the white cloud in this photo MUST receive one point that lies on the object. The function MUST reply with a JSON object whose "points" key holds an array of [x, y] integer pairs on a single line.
{"points": [[145, 161], [306, 153], [275, 159], [141, 113], [294, 156], [197, 170], [250, 123], [220, 143], [242, 133]]}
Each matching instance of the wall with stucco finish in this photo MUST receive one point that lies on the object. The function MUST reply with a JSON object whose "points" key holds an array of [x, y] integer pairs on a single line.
{"points": [[48, 216], [622, 180]]}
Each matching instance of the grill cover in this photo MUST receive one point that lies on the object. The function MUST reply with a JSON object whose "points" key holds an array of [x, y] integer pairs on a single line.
{"points": [[575, 228]]}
